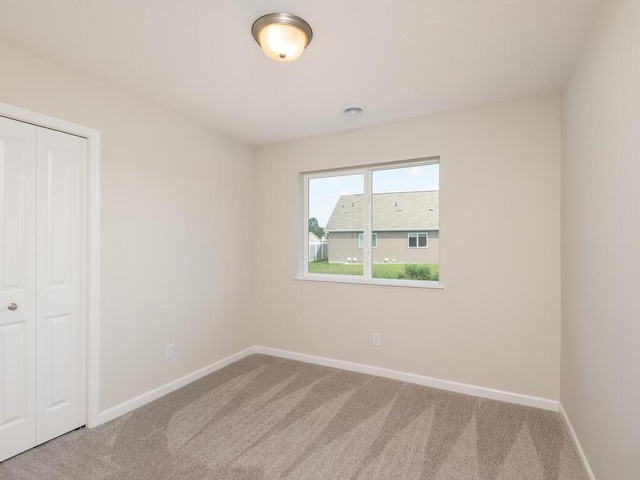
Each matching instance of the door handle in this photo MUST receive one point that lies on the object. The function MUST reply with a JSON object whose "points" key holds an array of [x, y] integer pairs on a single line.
{"points": [[12, 306]]}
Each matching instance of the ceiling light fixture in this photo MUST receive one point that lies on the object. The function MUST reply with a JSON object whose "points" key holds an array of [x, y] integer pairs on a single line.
{"points": [[282, 36]]}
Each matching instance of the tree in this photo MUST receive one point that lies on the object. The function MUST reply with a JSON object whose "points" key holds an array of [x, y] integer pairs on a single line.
{"points": [[314, 228]]}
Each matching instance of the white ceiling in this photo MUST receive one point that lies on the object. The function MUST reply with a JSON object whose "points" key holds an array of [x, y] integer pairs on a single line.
{"points": [[397, 58]]}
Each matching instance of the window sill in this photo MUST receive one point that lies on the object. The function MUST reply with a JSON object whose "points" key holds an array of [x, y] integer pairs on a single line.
{"points": [[378, 282]]}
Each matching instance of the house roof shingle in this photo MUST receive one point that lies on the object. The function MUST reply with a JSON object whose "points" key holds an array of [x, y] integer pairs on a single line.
{"points": [[400, 211]]}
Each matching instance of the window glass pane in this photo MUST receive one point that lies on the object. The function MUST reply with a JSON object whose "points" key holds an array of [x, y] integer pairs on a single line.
{"points": [[405, 216], [374, 240], [336, 225], [422, 240]]}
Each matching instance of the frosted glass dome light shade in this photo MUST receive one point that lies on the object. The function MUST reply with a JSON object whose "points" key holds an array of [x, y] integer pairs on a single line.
{"points": [[283, 37], [283, 43]]}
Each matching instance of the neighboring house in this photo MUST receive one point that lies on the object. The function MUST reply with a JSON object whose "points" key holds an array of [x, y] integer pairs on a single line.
{"points": [[405, 228]]}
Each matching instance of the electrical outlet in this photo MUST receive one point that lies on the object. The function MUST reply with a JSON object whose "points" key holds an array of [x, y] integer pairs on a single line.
{"points": [[375, 339], [168, 353]]}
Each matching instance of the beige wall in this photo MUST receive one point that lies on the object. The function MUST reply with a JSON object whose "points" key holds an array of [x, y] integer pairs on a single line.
{"points": [[496, 323], [600, 387], [169, 273], [169, 276]]}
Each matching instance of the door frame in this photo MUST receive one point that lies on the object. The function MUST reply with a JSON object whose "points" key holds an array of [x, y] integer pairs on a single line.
{"points": [[92, 250]]}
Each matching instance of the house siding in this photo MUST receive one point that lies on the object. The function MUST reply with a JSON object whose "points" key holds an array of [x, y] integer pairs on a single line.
{"points": [[395, 245], [391, 245], [344, 245]]}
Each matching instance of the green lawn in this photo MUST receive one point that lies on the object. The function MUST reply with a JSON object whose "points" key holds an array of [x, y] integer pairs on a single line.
{"points": [[380, 270], [323, 266]]}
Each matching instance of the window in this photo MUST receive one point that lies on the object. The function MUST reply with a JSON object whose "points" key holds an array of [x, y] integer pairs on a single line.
{"points": [[377, 224], [418, 240], [374, 240]]}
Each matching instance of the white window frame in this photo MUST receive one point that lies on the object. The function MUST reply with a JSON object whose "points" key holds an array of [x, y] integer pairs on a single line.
{"points": [[417, 234], [374, 244], [366, 278]]}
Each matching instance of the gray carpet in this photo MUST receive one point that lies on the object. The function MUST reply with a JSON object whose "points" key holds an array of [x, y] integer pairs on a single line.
{"points": [[266, 418]]}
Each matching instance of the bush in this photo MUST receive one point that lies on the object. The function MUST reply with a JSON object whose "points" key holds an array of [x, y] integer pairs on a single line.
{"points": [[416, 272]]}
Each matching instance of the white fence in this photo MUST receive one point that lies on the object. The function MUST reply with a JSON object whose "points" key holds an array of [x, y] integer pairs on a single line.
{"points": [[318, 251]]}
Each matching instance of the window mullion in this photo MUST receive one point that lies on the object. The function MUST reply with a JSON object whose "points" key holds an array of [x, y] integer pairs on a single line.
{"points": [[366, 212]]}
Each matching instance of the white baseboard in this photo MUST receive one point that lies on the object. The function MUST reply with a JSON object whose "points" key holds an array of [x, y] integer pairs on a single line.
{"points": [[140, 400], [576, 443], [474, 390], [527, 400]]}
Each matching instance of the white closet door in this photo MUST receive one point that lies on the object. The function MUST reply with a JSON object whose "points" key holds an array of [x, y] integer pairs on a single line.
{"points": [[61, 166], [17, 287]]}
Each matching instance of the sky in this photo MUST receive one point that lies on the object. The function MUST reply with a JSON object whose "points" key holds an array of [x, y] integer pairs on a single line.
{"points": [[324, 192]]}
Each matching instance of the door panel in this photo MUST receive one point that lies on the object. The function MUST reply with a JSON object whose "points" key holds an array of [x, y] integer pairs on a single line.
{"points": [[17, 286], [13, 345], [57, 361], [58, 217], [60, 285]]}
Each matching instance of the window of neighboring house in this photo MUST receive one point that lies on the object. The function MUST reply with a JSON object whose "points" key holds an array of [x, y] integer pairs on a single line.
{"points": [[374, 240], [418, 240], [345, 210]]}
